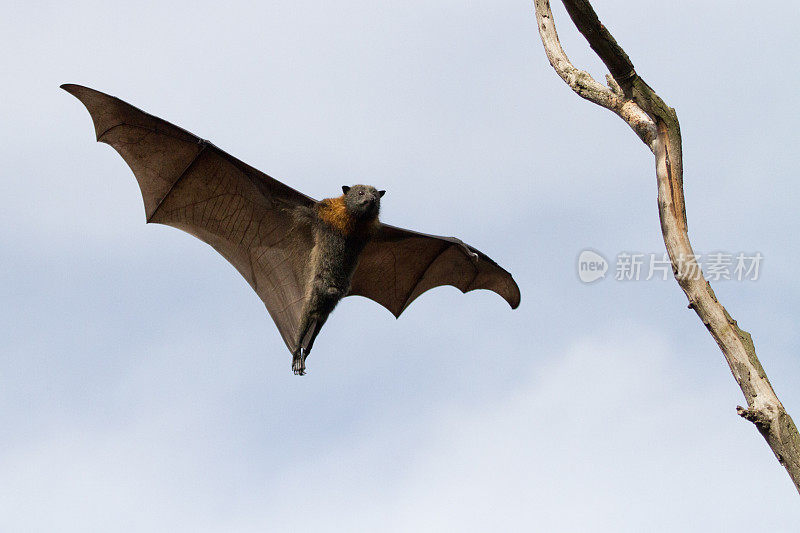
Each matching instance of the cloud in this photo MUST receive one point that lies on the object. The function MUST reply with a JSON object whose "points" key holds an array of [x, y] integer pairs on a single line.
{"points": [[605, 438], [602, 437]]}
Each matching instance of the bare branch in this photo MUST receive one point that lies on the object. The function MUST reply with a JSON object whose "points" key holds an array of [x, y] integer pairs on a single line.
{"points": [[657, 125], [587, 87], [602, 42], [580, 81]]}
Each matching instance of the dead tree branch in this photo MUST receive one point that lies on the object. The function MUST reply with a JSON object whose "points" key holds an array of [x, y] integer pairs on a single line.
{"points": [[656, 124]]}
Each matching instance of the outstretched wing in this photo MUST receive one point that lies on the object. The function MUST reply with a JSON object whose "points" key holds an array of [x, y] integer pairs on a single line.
{"points": [[398, 265], [189, 183]]}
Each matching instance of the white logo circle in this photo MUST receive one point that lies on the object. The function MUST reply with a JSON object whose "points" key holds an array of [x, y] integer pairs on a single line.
{"points": [[591, 266]]}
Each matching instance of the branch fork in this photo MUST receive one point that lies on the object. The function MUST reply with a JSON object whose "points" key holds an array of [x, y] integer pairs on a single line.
{"points": [[656, 124]]}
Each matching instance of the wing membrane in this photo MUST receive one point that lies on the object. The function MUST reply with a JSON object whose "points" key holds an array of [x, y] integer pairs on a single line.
{"points": [[399, 265], [188, 183]]}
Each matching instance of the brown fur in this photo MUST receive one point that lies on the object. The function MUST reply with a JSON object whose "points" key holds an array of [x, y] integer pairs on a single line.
{"points": [[333, 211]]}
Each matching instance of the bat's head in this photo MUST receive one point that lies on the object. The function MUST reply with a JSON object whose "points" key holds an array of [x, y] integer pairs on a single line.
{"points": [[362, 201]]}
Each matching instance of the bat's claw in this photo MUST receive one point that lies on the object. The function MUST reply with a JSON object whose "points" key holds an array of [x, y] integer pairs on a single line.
{"points": [[299, 364]]}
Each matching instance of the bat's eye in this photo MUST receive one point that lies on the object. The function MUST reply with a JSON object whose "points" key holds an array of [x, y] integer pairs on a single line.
{"points": [[361, 193]]}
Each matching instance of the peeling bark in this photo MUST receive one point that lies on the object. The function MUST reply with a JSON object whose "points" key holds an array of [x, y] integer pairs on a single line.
{"points": [[656, 124]]}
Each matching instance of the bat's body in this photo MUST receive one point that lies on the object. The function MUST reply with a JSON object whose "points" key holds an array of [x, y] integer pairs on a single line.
{"points": [[341, 228], [299, 255]]}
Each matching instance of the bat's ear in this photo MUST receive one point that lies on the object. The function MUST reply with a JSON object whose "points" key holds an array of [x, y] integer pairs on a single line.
{"points": [[345, 188], [381, 193]]}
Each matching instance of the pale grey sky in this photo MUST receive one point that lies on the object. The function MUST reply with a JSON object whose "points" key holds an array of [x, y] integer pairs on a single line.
{"points": [[144, 387]]}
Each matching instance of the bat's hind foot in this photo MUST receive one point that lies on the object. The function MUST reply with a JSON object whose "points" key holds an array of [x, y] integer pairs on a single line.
{"points": [[299, 363], [306, 342]]}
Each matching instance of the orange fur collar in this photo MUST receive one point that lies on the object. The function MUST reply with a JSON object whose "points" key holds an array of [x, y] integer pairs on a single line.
{"points": [[333, 212]]}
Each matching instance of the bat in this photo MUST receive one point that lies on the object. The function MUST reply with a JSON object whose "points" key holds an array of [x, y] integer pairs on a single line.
{"points": [[301, 256]]}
